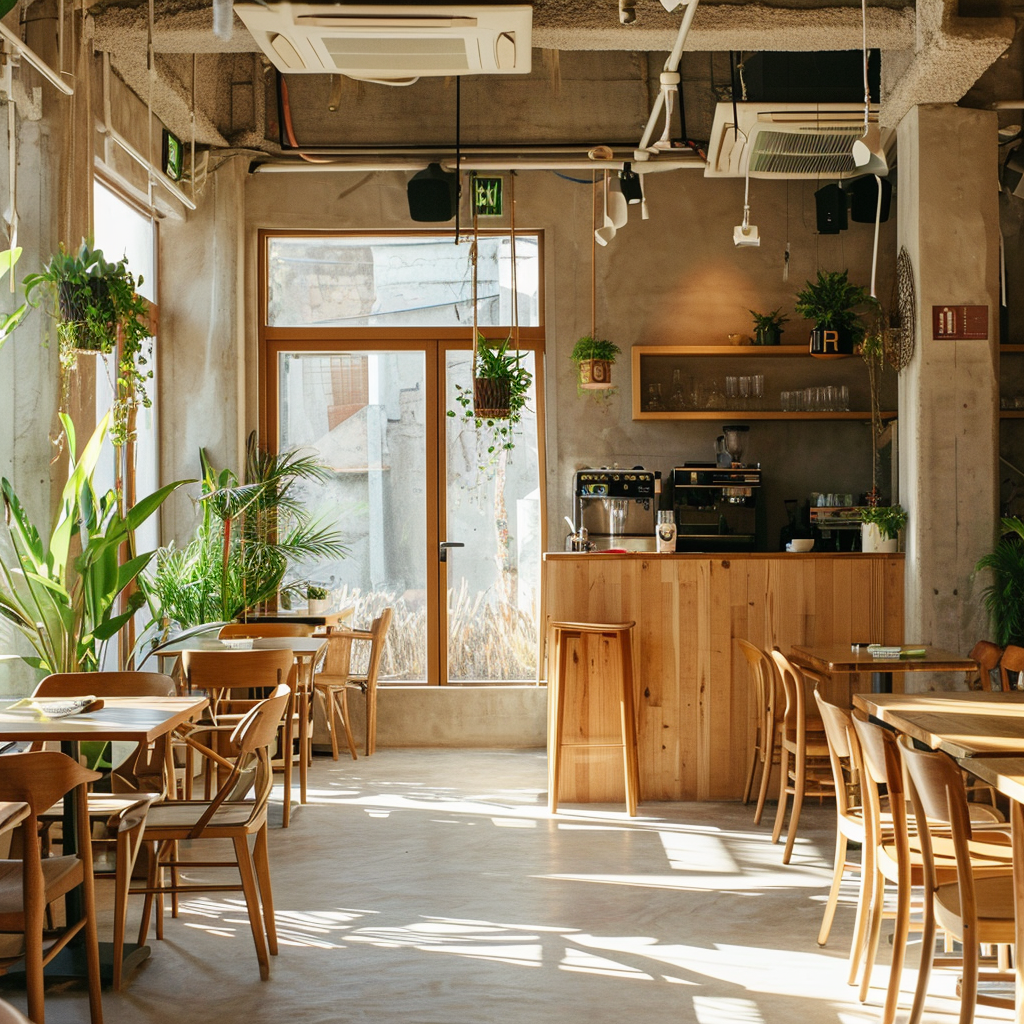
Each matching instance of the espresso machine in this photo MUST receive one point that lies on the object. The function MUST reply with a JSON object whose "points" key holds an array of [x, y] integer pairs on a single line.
{"points": [[617, 507]]}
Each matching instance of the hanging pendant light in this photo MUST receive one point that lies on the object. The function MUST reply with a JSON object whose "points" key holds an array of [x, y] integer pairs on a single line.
{"points": [[868, 154]]}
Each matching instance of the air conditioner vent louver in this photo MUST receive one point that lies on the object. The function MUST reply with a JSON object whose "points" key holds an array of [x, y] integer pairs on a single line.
{"points": [[784, 140], [803, 153], [391, 41]]}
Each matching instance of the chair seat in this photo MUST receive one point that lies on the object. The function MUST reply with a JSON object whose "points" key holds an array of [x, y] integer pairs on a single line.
{"points": [[995, 908], [181, 816], [59, 875]]}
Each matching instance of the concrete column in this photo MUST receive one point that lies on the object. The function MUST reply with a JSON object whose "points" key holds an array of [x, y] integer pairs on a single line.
{"points": [[949, 394]]}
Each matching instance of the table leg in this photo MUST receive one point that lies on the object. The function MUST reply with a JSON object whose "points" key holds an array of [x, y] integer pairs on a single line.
{"points": [[1017, 827], [881, 682]]}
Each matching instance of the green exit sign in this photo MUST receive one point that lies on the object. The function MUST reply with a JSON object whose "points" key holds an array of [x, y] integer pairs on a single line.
{"points": [[487, 196]]}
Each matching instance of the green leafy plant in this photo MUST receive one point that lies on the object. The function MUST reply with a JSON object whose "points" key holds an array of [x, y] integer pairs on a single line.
{"points": [[768, 321], [889, 519], [66, 605], [1004, 597], [96, 303], [589, 347], [241, 548], [830, 302], [494, 362], [9, 321], [316, 593]]}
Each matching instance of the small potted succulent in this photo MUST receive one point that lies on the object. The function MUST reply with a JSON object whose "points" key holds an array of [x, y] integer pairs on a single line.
{"points": [[829, 302], [768, 326], [318, 599], [880, 527], [594, 359]]}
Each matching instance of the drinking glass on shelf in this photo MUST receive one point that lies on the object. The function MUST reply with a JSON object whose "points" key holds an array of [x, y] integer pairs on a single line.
{"points": [[677, 400], [654, 402], [844, 398], [731, 392], [831, 401], [757, 390], [744, 389]]}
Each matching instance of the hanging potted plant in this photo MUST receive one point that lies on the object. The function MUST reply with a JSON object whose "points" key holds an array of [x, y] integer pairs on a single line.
{"points": [[768, 326], [830, 302], [96, 304], [880, 528], [594, 359]]}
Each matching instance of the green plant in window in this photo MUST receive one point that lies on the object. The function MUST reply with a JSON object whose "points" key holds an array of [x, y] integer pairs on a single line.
{"points": [[1004, 597]]}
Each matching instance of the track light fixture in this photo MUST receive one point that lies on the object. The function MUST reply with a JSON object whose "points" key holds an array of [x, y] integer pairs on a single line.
{"points": [[745, 234]]}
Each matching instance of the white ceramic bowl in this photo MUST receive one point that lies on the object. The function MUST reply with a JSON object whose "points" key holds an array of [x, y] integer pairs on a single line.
{"points": [[238, 644], [800, 544]]}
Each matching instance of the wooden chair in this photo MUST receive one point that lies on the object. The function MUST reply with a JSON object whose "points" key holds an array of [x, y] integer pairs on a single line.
{"points": [[332, 688], [802, 739], [976, 904], [228, 677], [9, 1015], [139, 776], [1011, 665], [987, 655], [244, 630], [231, 815], [765, 749], [29, 885], [851, 826], [899, 855]]}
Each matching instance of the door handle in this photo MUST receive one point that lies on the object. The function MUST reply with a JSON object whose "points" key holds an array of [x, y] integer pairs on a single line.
{"points": [[443, 547]]}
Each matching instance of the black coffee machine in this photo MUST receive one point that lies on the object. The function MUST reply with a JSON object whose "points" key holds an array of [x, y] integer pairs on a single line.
{"points": [[718, 508]]}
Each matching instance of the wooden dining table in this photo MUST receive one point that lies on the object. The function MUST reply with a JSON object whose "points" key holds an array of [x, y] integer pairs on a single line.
{"points": [[130, 719], [985, 733], [843, 659]]}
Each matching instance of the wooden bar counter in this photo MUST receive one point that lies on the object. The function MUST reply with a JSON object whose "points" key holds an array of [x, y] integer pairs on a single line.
{"points": [[695, 714]]}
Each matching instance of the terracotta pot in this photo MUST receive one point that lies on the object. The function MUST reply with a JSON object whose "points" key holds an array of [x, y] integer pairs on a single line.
{"points": [[827, 343], [491, 398], [595, 374]]}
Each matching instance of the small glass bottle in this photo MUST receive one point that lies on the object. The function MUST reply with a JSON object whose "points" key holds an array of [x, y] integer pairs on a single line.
{"points": [[666, 532]]}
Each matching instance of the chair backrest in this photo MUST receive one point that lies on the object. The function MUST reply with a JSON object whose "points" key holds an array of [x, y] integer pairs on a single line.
{"points": [[379, 629], [252, 769], [794, 717], [227, 670], [880, 762], [106, 684], [1010, 666], [842, 754], [762, 675], [987, 655], [41, 777], [234, 630]]}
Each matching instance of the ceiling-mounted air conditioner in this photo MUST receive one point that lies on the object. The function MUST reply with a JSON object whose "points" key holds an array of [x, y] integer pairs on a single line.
{"points": [[393, 41], [785, 140]]}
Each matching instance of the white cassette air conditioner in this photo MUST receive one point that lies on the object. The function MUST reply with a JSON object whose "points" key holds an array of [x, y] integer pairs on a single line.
{"points": [[391, 42], [785, 140]]}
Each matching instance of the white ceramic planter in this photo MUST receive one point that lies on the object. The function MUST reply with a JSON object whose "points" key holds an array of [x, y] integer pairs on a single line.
{"points": [[872, 542], [321, 607]]}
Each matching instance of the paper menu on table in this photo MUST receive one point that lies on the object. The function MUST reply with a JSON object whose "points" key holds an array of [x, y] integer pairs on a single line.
{"points": [[56, 707]]}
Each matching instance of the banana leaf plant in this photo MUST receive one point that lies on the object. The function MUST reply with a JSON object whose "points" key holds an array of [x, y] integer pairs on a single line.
{"points": [[8, 321], [66, 604]]}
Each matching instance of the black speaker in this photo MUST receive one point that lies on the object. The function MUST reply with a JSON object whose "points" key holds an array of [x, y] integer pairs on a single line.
{"points": [[433, 194], [830, 206], [863, 193]]}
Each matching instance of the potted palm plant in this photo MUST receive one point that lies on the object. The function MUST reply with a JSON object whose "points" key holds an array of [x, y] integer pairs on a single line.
{"points": [[880, 528], [768, 326], [594, 359], [829, 302], [501, 385], [96, 304], [1004, 597]]}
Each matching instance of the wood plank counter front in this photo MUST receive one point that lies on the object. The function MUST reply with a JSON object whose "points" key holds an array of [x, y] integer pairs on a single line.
{"points": [[695, 714]]}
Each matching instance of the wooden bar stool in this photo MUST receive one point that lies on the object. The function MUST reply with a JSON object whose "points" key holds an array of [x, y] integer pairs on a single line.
{"points": [[607, 659]]}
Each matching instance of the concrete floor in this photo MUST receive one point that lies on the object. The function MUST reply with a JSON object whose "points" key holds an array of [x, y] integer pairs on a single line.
{"points": [[432, 887]]}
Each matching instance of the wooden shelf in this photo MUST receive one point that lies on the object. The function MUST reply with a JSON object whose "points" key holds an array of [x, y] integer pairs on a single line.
{"points": [[742, 415], [1011, 348], [720, 350], [1004, 414]]}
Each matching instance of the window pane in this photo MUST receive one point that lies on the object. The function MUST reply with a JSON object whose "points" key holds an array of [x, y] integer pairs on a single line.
{"points": [[363, 413], [493, 508], [406, 281]]}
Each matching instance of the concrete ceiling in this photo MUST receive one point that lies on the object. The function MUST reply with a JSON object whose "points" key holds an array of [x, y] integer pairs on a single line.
{"points": [[591, 79]]}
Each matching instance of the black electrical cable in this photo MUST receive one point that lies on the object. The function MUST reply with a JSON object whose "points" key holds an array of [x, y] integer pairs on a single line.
{"points": [[579, 181]]}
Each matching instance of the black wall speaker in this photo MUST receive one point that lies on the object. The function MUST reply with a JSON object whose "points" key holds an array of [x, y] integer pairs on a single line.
{"points": [[863, 193], [830, 206], [433, 194]]}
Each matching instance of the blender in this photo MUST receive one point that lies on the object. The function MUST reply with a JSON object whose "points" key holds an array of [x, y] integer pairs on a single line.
{"points": [[729, 445]]}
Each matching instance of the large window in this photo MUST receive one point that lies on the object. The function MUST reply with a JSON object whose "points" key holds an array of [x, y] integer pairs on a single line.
{"points": [[364, 340]]}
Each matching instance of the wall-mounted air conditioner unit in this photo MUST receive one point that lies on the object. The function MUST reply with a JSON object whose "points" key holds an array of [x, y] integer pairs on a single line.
{"points": [[785, 140], [394, 41]]}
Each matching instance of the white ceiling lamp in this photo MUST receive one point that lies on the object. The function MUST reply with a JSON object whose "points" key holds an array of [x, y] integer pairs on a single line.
{"points": [[868, 154], [745, 234]]}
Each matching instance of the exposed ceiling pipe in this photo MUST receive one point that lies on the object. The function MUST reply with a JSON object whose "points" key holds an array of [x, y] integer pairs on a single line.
{"points": [[669, 82], [28, 54], [495, 164]]}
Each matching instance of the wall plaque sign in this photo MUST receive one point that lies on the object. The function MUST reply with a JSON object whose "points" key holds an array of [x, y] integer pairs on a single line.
{"points": [[960, 323]]}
